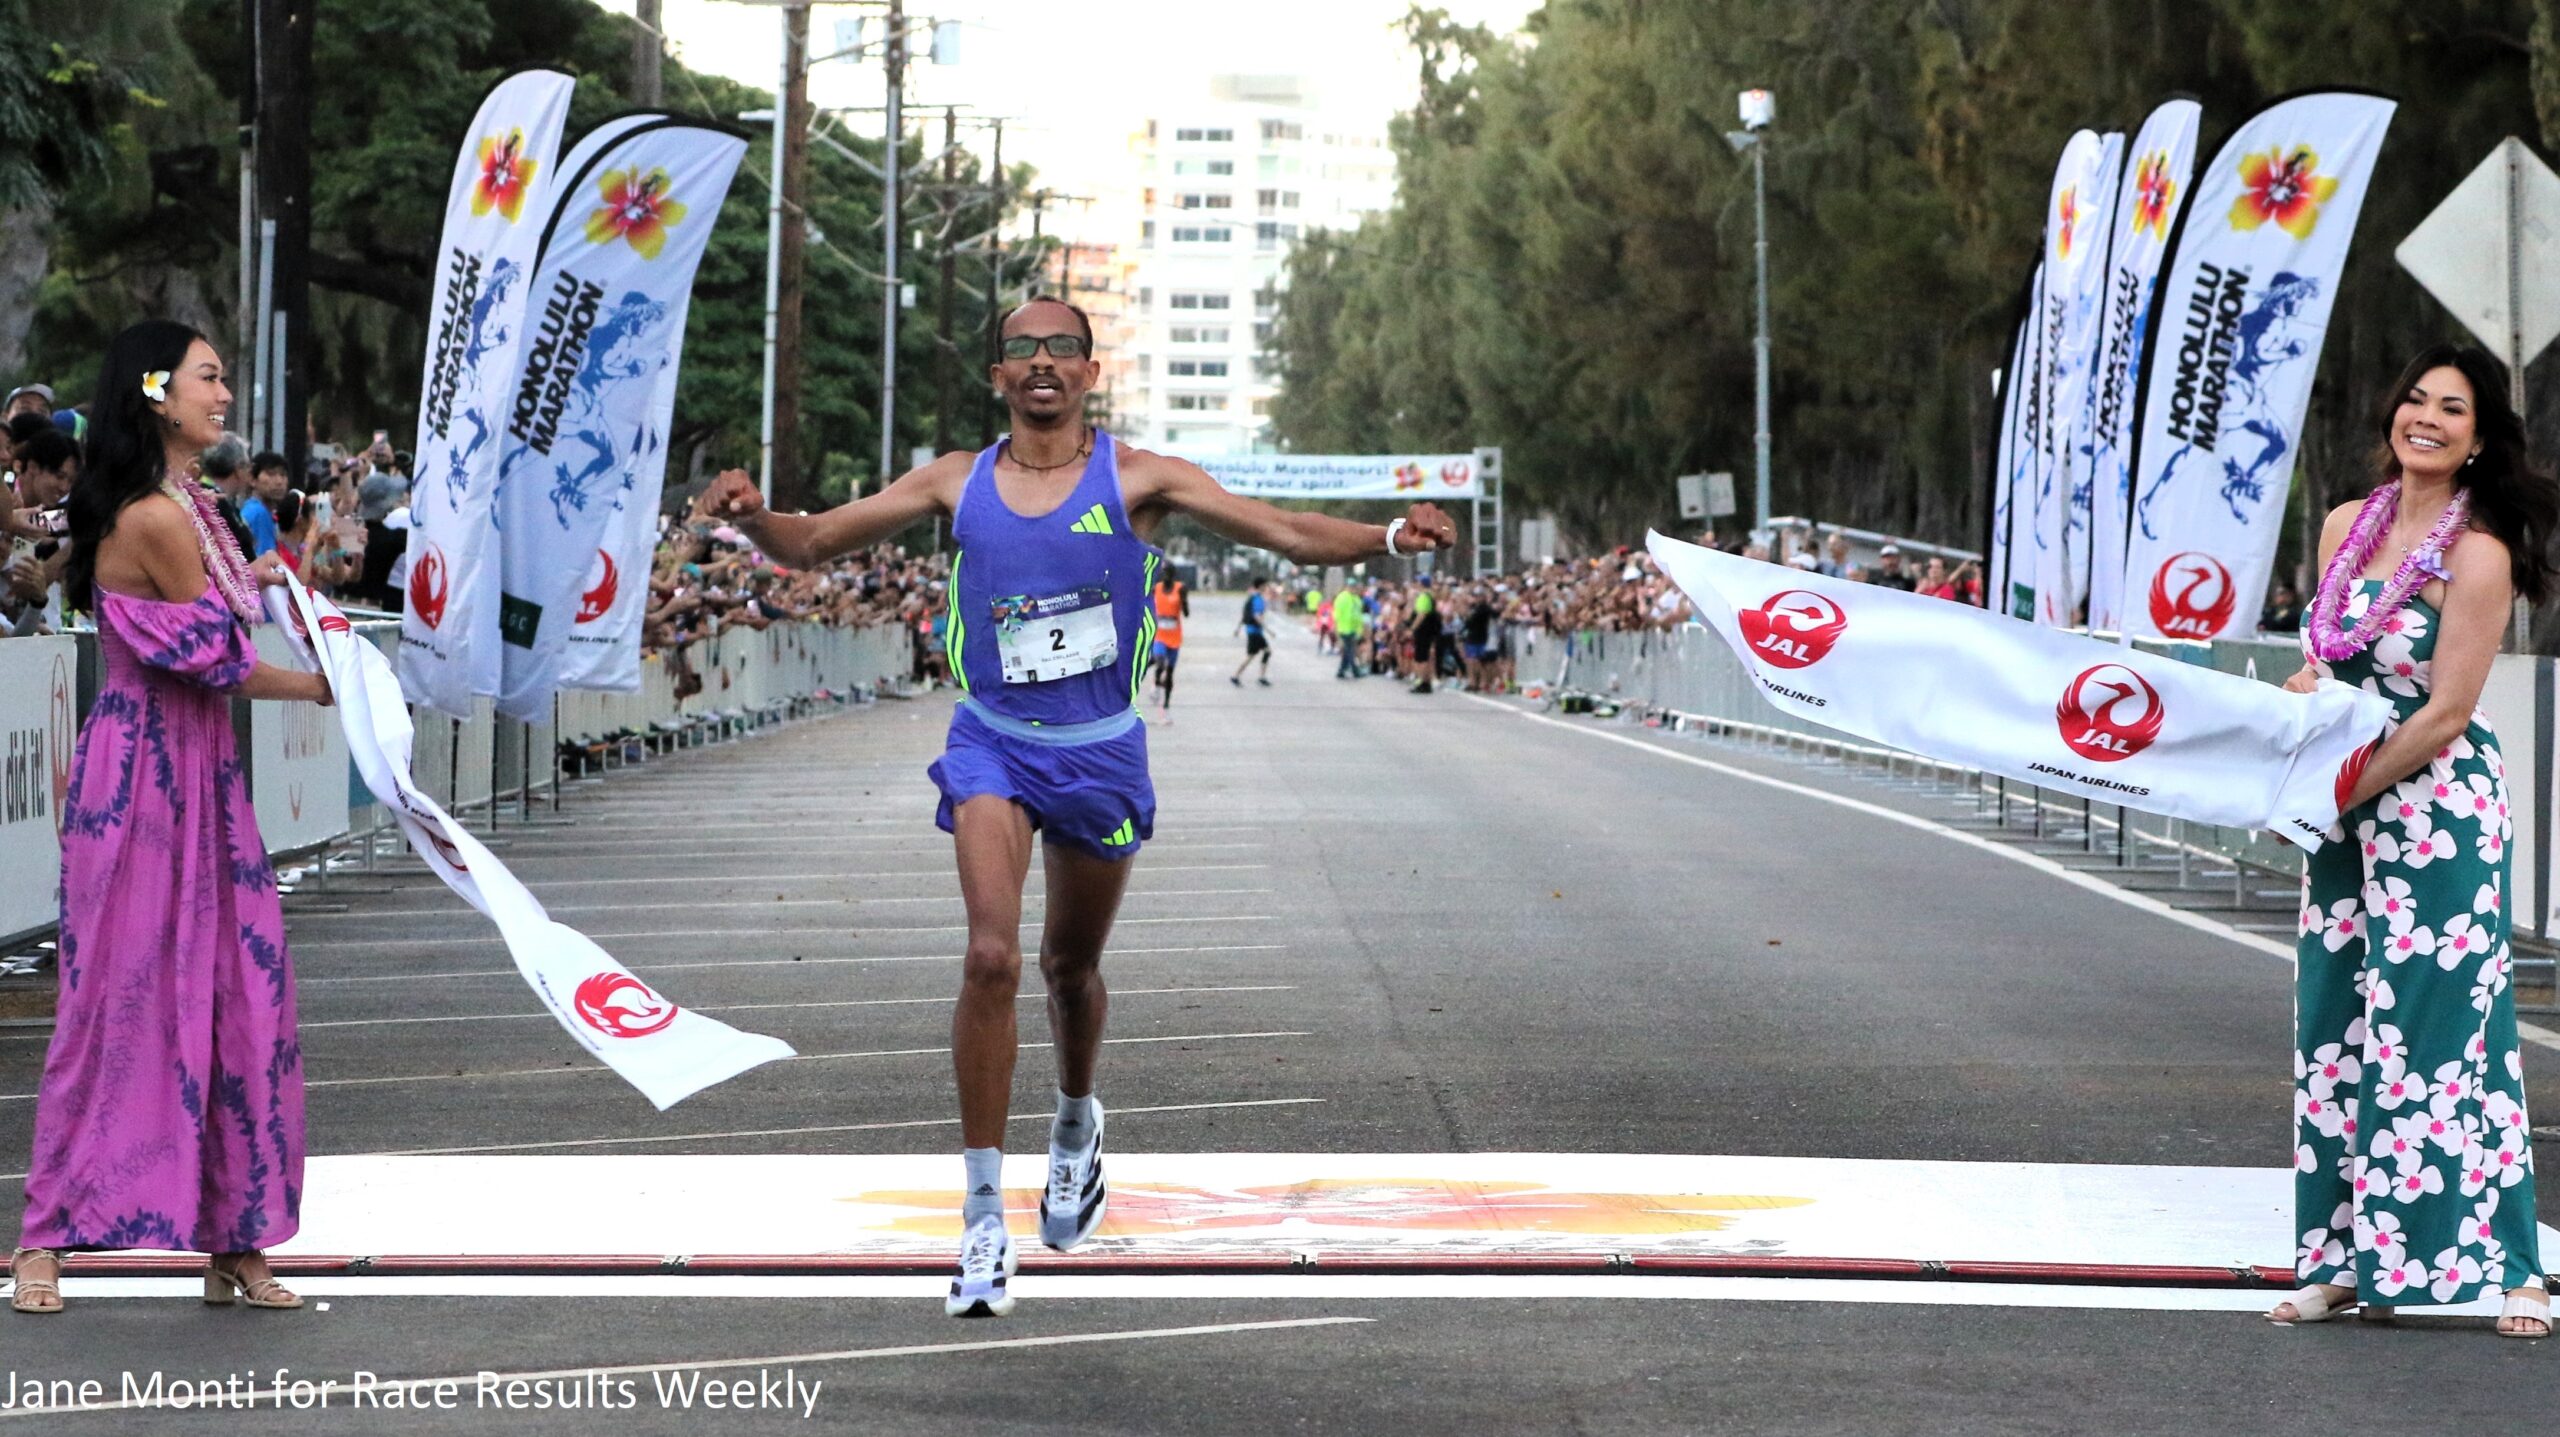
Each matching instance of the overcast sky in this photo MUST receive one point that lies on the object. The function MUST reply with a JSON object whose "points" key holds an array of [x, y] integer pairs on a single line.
{"points": [[1075, 79]]}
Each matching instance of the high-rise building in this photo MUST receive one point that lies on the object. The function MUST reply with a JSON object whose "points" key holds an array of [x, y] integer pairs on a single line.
{"points": [[1225, 188], [1097, 278]]}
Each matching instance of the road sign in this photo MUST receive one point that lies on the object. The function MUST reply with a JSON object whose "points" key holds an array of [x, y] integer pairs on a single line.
{"points": [[1693, 495], [2491, 254], [1720, 501]]}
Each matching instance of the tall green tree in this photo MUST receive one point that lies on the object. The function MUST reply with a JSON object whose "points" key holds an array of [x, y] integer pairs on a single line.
{"points": [[1567, 270], [119, 171]]}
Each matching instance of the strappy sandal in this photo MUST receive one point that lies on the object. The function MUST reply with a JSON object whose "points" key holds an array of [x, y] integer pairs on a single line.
{"points": [[222, 1285], [35, 1296], [2533, 1305], [2314, 1304]]}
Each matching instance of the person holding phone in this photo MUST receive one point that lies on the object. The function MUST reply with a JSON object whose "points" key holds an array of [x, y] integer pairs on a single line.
{"points": [[381, 490]]}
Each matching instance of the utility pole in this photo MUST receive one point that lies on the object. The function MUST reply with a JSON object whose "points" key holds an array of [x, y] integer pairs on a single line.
{"points": [[283, 84], [648, 53], [1759, 111], [1760, 342], [244, 358], [945, 360], [995, 285], [892, 164], [791, 258]]}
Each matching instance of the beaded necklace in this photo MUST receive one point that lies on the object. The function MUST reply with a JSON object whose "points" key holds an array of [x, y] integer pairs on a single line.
{"points": [[2326, 640], [224, 564], [1084, 447]]}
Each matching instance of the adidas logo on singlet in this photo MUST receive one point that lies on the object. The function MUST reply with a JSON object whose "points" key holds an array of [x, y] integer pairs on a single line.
{"points": [[1093, 522]]}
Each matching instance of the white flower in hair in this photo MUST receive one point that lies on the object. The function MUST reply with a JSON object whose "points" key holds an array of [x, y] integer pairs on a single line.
{"points": [[155, 386]]}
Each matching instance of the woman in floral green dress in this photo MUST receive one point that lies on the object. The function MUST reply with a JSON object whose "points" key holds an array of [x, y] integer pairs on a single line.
{"points": [[2413, 1162]]}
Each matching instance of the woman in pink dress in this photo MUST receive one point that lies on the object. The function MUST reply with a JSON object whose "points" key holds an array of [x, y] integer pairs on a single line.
{"points": [[170, 1115]]}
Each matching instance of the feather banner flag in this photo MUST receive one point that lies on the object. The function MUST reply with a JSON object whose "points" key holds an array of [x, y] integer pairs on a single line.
{"points": [[2239, 320]]}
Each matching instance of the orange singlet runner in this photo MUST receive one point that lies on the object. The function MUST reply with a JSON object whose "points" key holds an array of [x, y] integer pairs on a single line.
{"points": [[1172, 600]]}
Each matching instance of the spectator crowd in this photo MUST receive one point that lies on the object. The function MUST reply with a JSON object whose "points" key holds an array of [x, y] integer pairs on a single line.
{"points": [[342, 525]]}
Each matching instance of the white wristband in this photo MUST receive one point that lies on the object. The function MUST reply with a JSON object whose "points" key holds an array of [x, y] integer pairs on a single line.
{"points": [[1394, 527]]}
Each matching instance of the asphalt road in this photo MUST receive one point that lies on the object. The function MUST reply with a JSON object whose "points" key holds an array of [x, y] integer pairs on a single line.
{"points": [[1399, 924]]}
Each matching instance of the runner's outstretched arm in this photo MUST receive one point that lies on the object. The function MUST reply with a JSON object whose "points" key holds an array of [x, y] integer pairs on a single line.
{"points": [[1305, 538], [802, 541]]}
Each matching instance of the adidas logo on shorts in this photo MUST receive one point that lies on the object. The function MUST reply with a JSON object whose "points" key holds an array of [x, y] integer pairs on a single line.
{"points": [[1124, 835]]}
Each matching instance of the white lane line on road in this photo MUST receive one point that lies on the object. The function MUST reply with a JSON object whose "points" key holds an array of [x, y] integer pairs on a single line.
{"points": [[942, 998], [1314, 1286], [705, 905], [2530, 1032], [839, 875], [952, 1121], [552, 846], [468, 1380], [592, 1070], [301, 982], [766, 930]]}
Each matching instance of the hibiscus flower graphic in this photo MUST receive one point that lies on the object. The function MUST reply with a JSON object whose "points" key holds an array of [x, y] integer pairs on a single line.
{"points": [[2284, 186], [2067, 215], [1383, 1205], [506, 172], [2152, 192], [636, 208]]}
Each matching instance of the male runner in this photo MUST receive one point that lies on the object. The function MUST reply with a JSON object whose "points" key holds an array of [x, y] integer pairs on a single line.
{"points": [[1049, 628], [1257, 644], [1172, 601]]}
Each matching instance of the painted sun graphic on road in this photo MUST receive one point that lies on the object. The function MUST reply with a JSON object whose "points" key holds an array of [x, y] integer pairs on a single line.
{"points": [[1399, 1205]]}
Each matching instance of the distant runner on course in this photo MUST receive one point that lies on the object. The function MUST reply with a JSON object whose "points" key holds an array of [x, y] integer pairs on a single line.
{"points": [[1172, 603]]}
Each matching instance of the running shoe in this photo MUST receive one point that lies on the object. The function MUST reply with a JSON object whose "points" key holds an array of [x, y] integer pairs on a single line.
{"points": [[986, 1263], [1071, 1206]]}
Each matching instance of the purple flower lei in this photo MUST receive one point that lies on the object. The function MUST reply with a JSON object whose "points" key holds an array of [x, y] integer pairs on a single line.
{"points": [[2322, 633]]}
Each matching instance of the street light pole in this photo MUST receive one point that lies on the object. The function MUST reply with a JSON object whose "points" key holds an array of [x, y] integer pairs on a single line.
{"points": [[892, 164], [773, 262]]}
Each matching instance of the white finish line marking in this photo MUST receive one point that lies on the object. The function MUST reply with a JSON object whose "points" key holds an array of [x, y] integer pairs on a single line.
{"points": [[2077, 1222], [2529, 1032], [786, 1359], [942, 998]]}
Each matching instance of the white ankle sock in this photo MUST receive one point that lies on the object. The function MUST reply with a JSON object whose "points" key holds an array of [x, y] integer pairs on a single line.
{"points": [[1073, 1128], [983, 1197]]}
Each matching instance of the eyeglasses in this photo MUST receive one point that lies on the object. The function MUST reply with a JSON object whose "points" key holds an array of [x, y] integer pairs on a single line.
{"points": [[1062, 346]]}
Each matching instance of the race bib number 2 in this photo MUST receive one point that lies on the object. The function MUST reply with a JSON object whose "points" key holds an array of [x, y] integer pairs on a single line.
{"points": [[1055, 637]]}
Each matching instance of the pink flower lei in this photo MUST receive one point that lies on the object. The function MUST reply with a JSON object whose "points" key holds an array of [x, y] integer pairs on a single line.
{"points": [[224, 564], [2321, 631]]}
